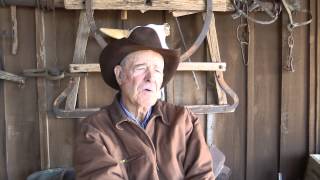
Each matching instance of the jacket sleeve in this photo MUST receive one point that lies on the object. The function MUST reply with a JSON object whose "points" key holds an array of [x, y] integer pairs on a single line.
{"points": [[198, 160], [91, 157]]}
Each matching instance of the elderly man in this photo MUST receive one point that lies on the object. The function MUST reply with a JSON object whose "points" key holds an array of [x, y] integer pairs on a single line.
{"points": [[138, 136]]}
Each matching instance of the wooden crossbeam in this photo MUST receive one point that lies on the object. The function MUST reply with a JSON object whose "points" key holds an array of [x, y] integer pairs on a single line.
{"points": [[171, 5], [183, 66]]}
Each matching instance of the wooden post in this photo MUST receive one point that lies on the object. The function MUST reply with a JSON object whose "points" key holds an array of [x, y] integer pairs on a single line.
{"points": [[317, 103], [312, 79], [42, 90], [250, 165], [213, 44], [14, 30], [294, 103], [79, 56]]}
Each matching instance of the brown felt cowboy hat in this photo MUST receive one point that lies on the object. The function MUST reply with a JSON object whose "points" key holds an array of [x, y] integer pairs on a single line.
{"points": [[140, 38]]}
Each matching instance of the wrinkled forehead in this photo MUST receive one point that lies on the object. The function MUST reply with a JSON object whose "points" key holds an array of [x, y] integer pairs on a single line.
{"points": [[143, 57]]}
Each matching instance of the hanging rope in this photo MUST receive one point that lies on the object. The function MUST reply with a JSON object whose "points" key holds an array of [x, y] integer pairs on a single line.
{"points": [[291, 26], [244, 7]]}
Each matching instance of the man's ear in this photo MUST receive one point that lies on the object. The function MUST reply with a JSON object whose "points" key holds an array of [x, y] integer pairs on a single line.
{"points": [[117, 72]]}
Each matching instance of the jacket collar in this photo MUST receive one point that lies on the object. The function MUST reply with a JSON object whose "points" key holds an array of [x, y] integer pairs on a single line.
{"points": [[118, 116]]}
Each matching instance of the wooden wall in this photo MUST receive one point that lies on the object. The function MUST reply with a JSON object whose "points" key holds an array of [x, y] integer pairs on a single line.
{"points": [[273, 130]]}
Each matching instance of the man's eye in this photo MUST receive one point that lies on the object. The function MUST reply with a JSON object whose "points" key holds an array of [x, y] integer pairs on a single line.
{"points": [[140, 68]]}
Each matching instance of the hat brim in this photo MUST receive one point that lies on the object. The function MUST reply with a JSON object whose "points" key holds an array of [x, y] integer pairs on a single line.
{"points": [[114, 54]]}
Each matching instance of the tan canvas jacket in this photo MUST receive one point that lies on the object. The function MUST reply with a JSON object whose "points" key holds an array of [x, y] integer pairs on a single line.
{"points": [[109, 146]]}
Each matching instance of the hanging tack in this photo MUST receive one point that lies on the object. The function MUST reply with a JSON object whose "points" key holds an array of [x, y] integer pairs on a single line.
{"points": [[124, 14]]}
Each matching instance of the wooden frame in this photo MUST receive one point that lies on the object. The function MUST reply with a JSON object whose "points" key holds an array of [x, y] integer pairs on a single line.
{"points": [[172, 5]]}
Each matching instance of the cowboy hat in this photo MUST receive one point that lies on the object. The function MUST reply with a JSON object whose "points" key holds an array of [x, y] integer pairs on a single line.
{"points": [[140, 38]]}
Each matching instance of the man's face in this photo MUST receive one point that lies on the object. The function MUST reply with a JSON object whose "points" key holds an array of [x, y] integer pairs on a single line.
{"points": [[140, 77]]}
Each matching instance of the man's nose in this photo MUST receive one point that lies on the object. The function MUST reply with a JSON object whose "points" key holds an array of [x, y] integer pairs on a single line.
{"points": [[150, 75]]}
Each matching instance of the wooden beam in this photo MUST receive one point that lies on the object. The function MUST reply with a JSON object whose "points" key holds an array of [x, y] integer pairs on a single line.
{"points": [[251, 129], [213, 44], [79, 57], [294, 102], [312, 79], [317, 103], [201, 66], [3, 126], [183, 66], [14, 24], [172, 5], [42, 91]]}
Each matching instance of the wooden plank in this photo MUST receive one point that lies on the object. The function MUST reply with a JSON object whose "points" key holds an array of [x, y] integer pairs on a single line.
{"points": [[79, 57], [93, 92], [262, 101], [317, 103], [183, 13], [183, 66], [22, 132], [293, 131], [198, 5], [312, 79], [251, 130], [61, 28], [214, 50], [230, 129], [3, 161], [41, 90], [14, 30]]}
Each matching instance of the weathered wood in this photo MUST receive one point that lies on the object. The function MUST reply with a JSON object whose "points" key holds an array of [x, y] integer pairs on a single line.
{"points": [[22, 128], [199, 5], [263, 113], [61, 28], [213, 45], [293, 131], [14, 30], [233, 145], [317, 103], [209, 109], [183, 13], [312, 80], [183, 66], [3, 150], [42, 92], [124, 15], [251, 129], [79, 56]]}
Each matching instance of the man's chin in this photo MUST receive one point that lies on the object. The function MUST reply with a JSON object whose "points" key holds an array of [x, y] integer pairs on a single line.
{"points": [[147, 102]]}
